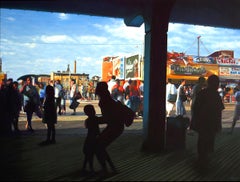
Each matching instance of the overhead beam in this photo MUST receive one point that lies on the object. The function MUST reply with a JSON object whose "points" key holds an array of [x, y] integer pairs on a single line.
{"points": [[215, 13]]}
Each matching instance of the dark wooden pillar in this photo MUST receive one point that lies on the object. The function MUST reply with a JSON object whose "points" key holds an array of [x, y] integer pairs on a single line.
{"points": [[156, 27]]}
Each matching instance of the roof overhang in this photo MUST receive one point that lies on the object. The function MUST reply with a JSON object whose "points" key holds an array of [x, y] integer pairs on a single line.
{"points": [[215, 13]]}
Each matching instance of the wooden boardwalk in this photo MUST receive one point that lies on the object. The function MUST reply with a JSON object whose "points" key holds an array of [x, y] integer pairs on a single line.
{"points": [[22, 159]]}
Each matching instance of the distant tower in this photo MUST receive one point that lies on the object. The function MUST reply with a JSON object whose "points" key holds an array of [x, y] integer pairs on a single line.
{"points": [[68, 69], [75, 66]]}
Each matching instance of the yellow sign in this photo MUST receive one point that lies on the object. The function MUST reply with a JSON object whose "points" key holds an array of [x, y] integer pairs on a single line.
{"points": [[191, 71]]}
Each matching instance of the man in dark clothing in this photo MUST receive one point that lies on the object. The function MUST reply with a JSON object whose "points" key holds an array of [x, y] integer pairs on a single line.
{"points": [[207, 118]]}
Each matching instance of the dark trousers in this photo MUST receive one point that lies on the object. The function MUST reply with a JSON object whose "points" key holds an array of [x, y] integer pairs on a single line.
{"points": [[58, 104], [108, 135], [205, 145], [50, 131]]}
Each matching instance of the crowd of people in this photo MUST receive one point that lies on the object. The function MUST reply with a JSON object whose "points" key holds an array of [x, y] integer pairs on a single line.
{"points": [[50, 100], [30, 98], [26, 96], [129, 93]]}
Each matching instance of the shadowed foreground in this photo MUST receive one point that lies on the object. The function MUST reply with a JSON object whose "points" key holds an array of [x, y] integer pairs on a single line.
{"points": [[23, 159]]}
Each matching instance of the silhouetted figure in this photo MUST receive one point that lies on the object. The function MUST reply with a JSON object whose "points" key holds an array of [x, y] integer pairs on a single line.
{"points": [[73, 91], [236, 115], [91, 123], [57, 92], [32, 102], [17, 106], [113, 129], [207, 118], [5, 127], [196, 89], [50, 115], [9, 107]]}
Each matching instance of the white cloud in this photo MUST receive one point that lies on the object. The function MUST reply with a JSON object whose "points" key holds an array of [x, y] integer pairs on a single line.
{"points": [[10, 19], [174, 27], [202, 30], [56, 38], [30, 45], [92, 39], [49, 60], [183, 38], [63, 16], [7, 53], [118, 29]]}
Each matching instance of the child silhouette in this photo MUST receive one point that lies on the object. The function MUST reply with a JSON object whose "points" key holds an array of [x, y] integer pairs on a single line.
{"points": [[91, 123]]}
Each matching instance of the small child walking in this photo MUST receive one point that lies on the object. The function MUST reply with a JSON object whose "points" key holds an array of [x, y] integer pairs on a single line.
{"points": [[91, 123], [50, 115]]}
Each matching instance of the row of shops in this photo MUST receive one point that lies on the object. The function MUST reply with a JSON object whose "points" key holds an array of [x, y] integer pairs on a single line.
{"points": [[179, 66]]}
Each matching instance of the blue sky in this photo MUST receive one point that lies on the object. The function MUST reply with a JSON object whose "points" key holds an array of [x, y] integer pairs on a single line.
{"points": [[34, 42]]}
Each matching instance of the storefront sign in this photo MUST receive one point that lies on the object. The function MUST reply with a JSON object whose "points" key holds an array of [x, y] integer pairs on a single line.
{"points": [[131, 67], [228, 61], [187, 70], [234, 72]]}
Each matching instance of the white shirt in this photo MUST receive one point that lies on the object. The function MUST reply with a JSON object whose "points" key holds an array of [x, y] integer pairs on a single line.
{"points": [[57, 89], [73, 89], [170, 89], [111, 83], [141, 87], [125, 85]]}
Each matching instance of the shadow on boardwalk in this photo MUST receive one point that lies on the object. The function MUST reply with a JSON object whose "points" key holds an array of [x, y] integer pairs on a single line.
{"points": [[23, 160]]}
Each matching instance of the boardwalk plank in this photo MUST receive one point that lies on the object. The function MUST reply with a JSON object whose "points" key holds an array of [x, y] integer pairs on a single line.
{"points": [[24, 160]]}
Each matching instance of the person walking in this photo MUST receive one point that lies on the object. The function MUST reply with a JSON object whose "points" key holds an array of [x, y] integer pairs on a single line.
{"points": [[73, 91], [10, 105], [58, 90], [134, 97], [170, 89], [41, 93], [207, 119], [32, 102], [111, 83], [91, 123], [117, 91], [180, 108], [50, 115], [141, 90], [237, 108], [17, 106]]}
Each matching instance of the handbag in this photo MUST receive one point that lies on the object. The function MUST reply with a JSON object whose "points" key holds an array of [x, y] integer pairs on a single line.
{"points": [[172, 97], [183, 98], [74, 104], [77, 96]]}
